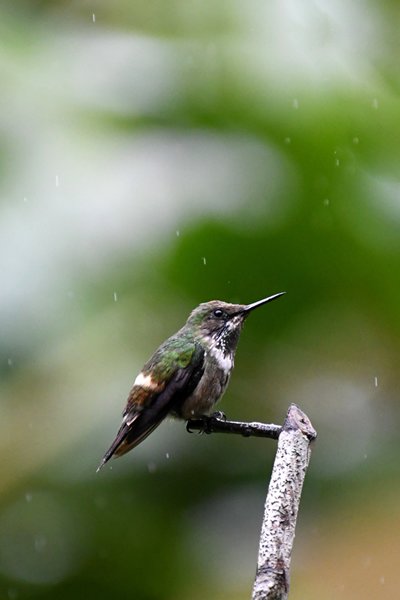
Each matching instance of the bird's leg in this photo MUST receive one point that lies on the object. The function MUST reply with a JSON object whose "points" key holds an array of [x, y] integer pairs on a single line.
{"points": [[188, 423], [210, 420], [203, 424], [218, 416], [207, 422]]}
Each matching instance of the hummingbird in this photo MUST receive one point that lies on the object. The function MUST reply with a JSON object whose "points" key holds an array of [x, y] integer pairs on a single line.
{"points": [[186, 375]]}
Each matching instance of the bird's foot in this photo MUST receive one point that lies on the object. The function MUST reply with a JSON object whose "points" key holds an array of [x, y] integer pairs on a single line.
{"points": [[218, 416], [204, 424], [188, 427]]}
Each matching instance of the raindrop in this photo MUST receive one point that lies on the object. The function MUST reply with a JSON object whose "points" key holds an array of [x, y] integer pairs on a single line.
{"points": [[375, 103], [288, 141], [382, 579], [356, 140], [10, 362], [57, 181], [94, 18], [115, 296], [178, 233], [204, 261], [337, 162], [295, 103], [376, 381], [326, 201], [25, 199], [167, 455], [28, 497]]}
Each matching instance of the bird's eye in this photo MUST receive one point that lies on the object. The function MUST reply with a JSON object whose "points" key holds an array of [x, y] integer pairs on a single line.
{"points": [[218, 313]]}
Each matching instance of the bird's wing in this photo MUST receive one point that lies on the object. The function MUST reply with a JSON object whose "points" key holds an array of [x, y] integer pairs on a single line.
{"points": [[163, 383]]}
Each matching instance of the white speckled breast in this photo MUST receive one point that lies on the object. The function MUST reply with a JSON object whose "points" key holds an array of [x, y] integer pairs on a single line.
{"points": [[210, 387]]}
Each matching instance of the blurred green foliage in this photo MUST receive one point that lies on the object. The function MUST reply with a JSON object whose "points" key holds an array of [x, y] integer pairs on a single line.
{"points": [[153, 156]]}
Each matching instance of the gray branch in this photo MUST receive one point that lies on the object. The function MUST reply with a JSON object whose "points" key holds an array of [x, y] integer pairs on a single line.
{"points": [[217, 423], [281, 507], [283, 499]]}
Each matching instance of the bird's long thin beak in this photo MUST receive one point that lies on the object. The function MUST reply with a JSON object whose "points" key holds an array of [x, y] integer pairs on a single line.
{"points": [[254, 305]]}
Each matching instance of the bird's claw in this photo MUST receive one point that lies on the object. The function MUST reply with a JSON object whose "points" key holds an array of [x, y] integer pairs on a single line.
{"points": [[188, 429], [208, 421], [204, 424]]}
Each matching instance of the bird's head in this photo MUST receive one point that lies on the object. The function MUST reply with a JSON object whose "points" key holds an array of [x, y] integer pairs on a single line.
{"points": [[220, 322]]}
